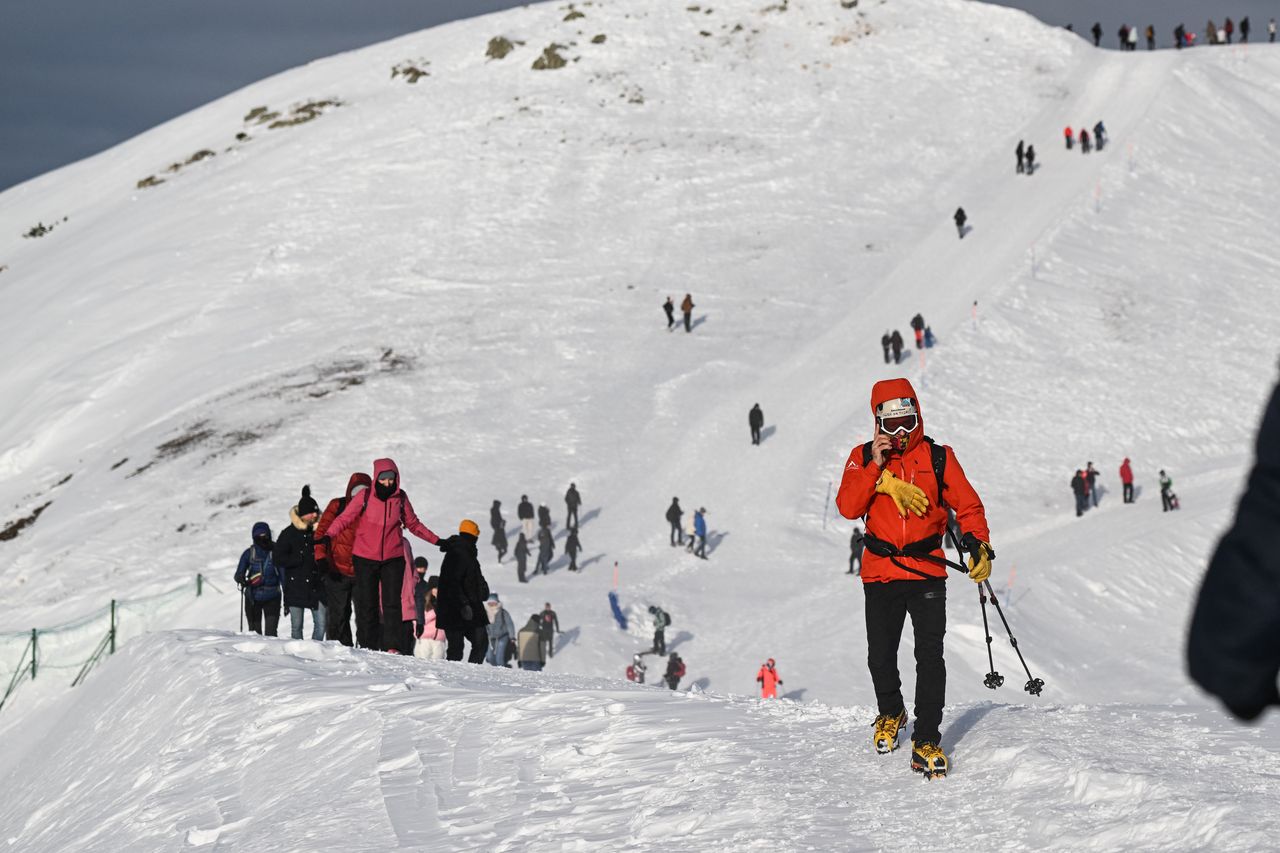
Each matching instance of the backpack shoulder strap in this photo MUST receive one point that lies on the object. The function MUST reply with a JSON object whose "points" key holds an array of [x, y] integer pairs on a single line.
{"points": [[939, 454], [866, 454]]}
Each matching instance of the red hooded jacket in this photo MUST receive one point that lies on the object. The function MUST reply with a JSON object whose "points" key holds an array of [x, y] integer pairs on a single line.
{"points": [[858, 497], [1126, 472], [378, 523], [335, 554]]}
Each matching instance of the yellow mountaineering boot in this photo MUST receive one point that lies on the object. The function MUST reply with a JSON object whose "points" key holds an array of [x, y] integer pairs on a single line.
{"points": [[885, 738], [928, 759]]}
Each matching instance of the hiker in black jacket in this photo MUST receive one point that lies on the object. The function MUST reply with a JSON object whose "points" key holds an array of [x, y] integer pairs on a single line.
{"points": [[499, 525], [896, 343], [294, 553], [524, 512], [755, 419], [1233, 648], [461, 595], [670, 308], [546, 550], [1080, 486], [961, 218], [572, 546], [522, 557], [856, 547], [544, 517], [885, 343], [674, 514], [572, 500]]}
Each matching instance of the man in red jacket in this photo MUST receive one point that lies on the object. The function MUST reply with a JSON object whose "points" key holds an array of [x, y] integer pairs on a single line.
{"points": [[1126, 480], [333, 558], [893, 483]]}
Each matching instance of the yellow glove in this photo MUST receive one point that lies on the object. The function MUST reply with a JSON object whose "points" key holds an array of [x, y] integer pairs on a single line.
{"points": [[905, 495], [980, 563]]}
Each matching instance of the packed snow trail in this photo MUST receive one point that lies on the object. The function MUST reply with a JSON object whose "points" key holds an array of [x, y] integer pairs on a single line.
{"points": [[229, 742]]}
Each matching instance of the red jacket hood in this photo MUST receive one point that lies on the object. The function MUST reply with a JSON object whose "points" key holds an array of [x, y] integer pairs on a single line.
{"points": [[380, 465], [358, 479], [889, 389]]}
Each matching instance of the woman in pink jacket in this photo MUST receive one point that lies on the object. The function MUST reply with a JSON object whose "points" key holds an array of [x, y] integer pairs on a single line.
{"points": [[378, 554]]}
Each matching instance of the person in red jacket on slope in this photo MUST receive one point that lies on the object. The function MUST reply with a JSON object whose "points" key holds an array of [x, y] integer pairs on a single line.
{"points": [[1126, 480], [769, 680], [893, 483]]}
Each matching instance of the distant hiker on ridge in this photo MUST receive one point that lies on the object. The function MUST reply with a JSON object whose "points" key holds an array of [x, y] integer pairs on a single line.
{"points": [[686, 308], [1031, 159], [674, 514], [917, 326], [1126, 480], [1069, 135], [755, 420], [675, 671], [572, 546], [524, 512], [856, 546], [1080, 488], [522, 557], [961, 218], [670, 308], [572, 500], [1096, 29], [1020, 151], [499, 525], [885, 343], [896, 343], [769, 680], [546, 550]]}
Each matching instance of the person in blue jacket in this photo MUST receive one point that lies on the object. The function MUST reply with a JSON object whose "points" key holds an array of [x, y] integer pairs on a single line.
{"points": [[259, 579], [700, 530]]}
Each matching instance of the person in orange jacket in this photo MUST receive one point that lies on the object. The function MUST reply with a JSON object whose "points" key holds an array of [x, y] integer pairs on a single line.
{"points": [[894, 483], [1070, 136], [769, 680]]}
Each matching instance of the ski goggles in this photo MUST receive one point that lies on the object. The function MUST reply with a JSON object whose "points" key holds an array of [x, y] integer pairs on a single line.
{"points": [[895, 424]]}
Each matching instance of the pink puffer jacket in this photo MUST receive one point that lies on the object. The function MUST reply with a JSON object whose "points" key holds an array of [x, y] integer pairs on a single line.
{"points": [[379, 523]]}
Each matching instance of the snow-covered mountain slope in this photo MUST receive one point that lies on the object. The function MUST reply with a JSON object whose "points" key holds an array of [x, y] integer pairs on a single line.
{"points": [[322, 748], [465, 273]]}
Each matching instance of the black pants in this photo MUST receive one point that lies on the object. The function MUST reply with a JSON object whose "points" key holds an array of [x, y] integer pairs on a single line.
{"points": [[337, 587], [855, 558], [408, 631], [887, 605], [897, 351], [660, 641], [544, 560], [522, 563], [256, 612], [886, 355], [479, 638], [548, 644], [1128, 493], [755, 435], [370, 574], [671, 320], [688, 322], [677, 534], [701, 550], [573, 561], [1166, 502], [571, 516]]}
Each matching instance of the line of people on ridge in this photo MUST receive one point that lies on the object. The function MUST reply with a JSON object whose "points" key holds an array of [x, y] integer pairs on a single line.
{"points": [[546, 539], [354, 558], [1182, 37], [892, 343], [1087, 144], [1084, 485]]}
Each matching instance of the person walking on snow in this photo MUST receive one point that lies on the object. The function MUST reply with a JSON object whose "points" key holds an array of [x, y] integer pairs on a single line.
{"points": [[294, 552], [572, 545], [885, 343], [1151, 37], [572, 500], [961, 218], [501, 630], [499, 525], [333, 558], [1069, 135], [755, 420], [259, 581], [856, 546], [1097, 33], [544, 517], [524, 512], [522, 557], [1168, 500], [895, 342], [700, 530], [1031, 159], [1091, 480], [674, 514], [686, 308], [769, 680], [1133, 39], [661, 620], [548, 627], [929, 339], [670, 308], [1244, 29], [461, 595], [1020, 152], [378, 551], [1080, 488], [1179, 36], [1126, 480], [1229, 28], [1271, 30], [1124, 37], [546, 550], [903, 486], [1084, 141], [917, 326], [1099, 135], [1211, 32], [675, 671]]}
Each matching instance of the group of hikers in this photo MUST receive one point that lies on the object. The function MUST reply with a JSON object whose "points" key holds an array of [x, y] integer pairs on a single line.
{"points": [[675, 671], [546, 539], [1098, 141], [1084, 485], [694, 537], [686, 308], [891, 342], [1182, 37], [355, 558]]}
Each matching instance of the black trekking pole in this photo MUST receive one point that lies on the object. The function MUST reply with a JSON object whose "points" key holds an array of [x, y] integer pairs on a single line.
{"points": [[241, 599], [1034, 685]]}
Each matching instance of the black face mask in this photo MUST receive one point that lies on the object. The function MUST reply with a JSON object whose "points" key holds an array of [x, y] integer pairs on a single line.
{"points": [[263, 542], [384, 492]]}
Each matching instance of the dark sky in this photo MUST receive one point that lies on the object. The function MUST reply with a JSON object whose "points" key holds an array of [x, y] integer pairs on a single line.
{"points": [[78, 76]]}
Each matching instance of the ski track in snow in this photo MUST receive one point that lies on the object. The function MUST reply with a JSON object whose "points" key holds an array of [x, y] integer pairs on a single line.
{"points": [[466, 274]]}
